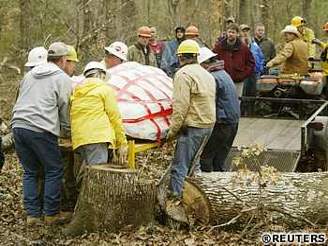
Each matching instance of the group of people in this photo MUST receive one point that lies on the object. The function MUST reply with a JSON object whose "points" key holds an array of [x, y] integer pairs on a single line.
{"points": [[206, 108], [47, 108]]}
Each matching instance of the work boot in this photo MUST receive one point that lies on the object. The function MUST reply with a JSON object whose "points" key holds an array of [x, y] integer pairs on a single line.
{"points": [[33, 221], [67, 214], [175, 210], [57, 219]]}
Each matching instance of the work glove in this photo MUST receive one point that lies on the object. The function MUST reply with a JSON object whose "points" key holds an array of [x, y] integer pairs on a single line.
{"points": [[169, 137], [121, 155], [316, 41], [269, 65]]}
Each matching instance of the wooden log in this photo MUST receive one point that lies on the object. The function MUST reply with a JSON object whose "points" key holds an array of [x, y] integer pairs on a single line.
{"points": [[112, 198], [296, 199]]}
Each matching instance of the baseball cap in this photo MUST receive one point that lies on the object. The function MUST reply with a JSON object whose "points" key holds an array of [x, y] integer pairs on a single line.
{"points": [[58, 49]]}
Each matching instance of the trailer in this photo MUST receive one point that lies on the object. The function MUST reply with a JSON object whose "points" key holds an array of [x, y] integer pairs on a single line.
{"points": [[292, 135]]}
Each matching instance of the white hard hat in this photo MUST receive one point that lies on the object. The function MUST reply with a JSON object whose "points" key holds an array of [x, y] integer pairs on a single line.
{"points": [[118, 49], [36, 56], [205, 54], [94, 65], [291, 29]]}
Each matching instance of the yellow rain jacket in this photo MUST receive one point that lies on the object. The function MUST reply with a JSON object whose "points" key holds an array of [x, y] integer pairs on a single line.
{"points": [[308, 36], [95, 117], [324, 64]]}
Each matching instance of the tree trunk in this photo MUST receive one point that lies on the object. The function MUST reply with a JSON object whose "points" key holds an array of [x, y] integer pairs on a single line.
{"points": [[307, 9], [242, 12], [25, 24], [112, 198], [86, 28], [172, 9], [297, 199], [128, 14], [216, 20], [265, 15]]}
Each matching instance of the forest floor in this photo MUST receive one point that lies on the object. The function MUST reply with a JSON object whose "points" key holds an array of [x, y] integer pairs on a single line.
{"points": [[14, 231]]}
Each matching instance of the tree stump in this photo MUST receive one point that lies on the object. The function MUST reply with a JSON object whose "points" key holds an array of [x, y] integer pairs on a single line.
{"points": [[295, 199], [112, 198]]}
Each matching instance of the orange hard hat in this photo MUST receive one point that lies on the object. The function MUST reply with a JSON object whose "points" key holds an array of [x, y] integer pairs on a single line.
{"points": [[325, 27], [144, 31], [192, 31]]}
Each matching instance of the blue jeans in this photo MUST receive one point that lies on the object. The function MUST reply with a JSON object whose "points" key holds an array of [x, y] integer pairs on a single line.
{"points": [[35, 150], [92, 154], [249, 90], [218, 147], [189, 141]]}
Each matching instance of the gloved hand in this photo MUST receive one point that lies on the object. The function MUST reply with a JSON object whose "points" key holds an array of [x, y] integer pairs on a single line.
{"points": [[122, 155], [269, 65], [169, 137], [316, 41]]}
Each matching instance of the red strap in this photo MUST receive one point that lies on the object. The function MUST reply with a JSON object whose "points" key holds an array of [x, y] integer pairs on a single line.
{"points": [[163, 113], [150, 116]]}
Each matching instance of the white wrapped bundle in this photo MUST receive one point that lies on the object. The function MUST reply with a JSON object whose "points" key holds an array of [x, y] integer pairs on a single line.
{"points": [[144, 96]]}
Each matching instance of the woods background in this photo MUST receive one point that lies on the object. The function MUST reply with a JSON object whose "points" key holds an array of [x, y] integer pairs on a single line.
{"points": [[89, 25]]}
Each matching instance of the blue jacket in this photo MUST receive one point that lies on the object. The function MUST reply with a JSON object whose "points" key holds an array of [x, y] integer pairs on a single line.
{"points": [[227, 103], [259, 58], [170, 62]]}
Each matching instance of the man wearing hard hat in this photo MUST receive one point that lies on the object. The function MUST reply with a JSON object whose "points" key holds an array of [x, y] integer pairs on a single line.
{"points": [[193, 114], [192, 32], [95, 118], [218, 146], [294, 55], [71, 60], [306, 34], [115, 54], [324, 54], [140, 52]]}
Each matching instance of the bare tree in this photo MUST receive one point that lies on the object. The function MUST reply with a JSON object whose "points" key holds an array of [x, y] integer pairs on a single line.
{"points": [[173, 9], [25, 24], [306, 9], [265, 16], [242, 11]]}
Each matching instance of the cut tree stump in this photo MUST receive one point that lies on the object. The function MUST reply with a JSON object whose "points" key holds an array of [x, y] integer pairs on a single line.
{"points": [[296, 199], [112, 198]]}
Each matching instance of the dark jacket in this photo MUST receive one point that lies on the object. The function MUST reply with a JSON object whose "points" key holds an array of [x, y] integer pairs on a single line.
{"points": [[227, 103], [2, 157], [170, 62], [238, 60], [267, 47], [141, 55]]}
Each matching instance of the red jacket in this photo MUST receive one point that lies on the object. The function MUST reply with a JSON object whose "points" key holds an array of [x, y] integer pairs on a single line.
{"points": [[239, 62]]}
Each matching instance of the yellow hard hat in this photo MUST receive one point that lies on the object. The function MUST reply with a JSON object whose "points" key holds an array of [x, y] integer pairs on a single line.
{"points": [[188, 47], [297, 21], [72, 55]]}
